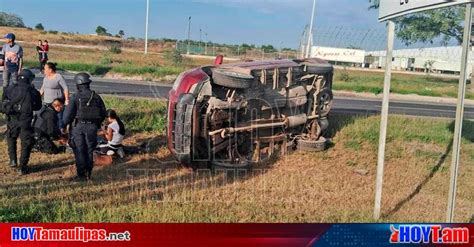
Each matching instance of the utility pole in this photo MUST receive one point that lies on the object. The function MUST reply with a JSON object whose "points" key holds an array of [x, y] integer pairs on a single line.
{"points": [[281, 50], [310, 35], [302, 40], [200, 39], [146, 25], [207, 41], [189, 35]]}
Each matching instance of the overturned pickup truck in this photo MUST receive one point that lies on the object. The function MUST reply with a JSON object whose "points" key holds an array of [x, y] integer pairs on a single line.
{"points": [[234, 115]]}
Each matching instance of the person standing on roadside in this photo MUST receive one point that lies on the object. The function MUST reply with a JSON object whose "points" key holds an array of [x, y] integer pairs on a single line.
{"points": [[54, 87], [13, 59], [45, 52], [19, 101], [84, 115], [41, 55]]}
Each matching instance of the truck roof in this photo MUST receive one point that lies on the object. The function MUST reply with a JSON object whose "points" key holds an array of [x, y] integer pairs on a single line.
{"points": [[248, 67]]}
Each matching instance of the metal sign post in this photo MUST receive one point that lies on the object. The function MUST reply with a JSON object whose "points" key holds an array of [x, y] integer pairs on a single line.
{"points": [[384, 122], [390, 9], [459, 114]]}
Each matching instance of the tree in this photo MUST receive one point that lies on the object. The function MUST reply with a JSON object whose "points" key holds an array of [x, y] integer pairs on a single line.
{"points": [[121, 33], [39, 26], [11, 20], [444, 24], [268, 48], [100, 30]]}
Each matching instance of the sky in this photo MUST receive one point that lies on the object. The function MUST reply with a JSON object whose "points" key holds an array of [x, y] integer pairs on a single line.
{"points": [[276, 22]]}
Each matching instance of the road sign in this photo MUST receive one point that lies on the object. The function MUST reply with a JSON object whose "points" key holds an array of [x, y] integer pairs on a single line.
{"points": [[390, 9]]}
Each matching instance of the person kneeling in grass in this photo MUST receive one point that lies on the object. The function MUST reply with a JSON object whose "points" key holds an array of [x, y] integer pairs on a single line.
{"points": [[46, 128], [114, 133]]}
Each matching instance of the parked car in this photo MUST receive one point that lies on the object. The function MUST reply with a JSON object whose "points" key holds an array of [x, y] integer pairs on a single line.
{"points": [[235, 115]]}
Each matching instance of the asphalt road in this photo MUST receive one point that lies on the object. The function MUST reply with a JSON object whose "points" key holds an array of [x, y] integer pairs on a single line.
{"points": [[341, 105]]}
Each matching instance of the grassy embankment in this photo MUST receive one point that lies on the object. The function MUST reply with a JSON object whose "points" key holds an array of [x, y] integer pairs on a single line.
{"points": [[332, 186], [372, 82]]}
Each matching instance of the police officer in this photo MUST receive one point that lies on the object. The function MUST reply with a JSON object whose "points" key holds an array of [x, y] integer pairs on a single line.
{"points": [[84, 114], [47, 129], [18, 103]]}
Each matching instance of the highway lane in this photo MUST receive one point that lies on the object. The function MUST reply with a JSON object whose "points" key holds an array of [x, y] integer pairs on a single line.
{"points": [[342, 105]]}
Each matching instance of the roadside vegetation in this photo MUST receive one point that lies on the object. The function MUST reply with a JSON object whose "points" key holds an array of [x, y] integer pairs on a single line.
{"points": [[332, 186], [372, 82]]}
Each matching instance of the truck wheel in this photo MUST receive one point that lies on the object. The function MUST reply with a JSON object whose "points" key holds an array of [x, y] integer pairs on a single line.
{"points": [[325, 100], [312, 146], [231, 79], [319, 69]]}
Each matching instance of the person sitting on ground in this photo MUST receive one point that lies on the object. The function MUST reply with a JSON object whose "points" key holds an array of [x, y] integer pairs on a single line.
{"points": [[46, 129], [114, 134]]}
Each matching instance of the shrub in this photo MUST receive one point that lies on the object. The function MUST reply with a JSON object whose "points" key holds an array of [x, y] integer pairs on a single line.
{"points": [[175, 57], [39, 26], [344, 76], [115, 48]]}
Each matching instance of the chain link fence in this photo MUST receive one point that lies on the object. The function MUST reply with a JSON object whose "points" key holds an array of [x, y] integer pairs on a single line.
{"points": [[349, 47], [233, 51]]}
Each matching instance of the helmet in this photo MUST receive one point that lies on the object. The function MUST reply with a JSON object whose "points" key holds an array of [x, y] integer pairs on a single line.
{"points": [[26, 76], [10, 36], [82, 79]]}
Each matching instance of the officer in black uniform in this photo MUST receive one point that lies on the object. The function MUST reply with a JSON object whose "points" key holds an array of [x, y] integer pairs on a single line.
{"points": [[84, 114], [18, 103], [46, 128]]}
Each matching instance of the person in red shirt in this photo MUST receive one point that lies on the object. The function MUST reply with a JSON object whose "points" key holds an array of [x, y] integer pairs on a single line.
{"points": [[45, 51]]}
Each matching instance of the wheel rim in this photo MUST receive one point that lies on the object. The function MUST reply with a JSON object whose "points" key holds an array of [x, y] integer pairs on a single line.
{"points": [[325, 102]]}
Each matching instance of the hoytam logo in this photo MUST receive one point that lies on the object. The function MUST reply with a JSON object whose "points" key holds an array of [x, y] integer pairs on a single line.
{"points": [[78, 234], [429, 234]]}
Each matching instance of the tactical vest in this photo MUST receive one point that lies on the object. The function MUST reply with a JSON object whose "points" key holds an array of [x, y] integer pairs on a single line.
{"points": [[88, 106], [38, 122]]}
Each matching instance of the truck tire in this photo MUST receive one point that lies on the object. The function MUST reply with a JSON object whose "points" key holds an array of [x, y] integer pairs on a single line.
{"points": [[231, 79], [325, 100], [312, 146], [319, 69]]}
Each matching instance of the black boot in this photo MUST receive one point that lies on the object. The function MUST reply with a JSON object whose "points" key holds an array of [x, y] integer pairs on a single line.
{"points": [[13, 163], [24, 170]]}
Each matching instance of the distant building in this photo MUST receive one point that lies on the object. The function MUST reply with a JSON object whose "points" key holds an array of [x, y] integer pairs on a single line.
{"points": [[436, 59], [446, 60], [339, 56]]}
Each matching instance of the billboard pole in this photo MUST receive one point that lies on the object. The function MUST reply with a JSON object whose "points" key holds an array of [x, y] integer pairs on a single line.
{"points": [[384, 122], [459, 114], [310, 32], [146, 25]]}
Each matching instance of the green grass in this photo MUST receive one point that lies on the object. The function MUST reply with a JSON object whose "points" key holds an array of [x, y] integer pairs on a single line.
{"points": [[139, 115], [154, 71], [372, 82], [127, 70], [303, 187]]}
